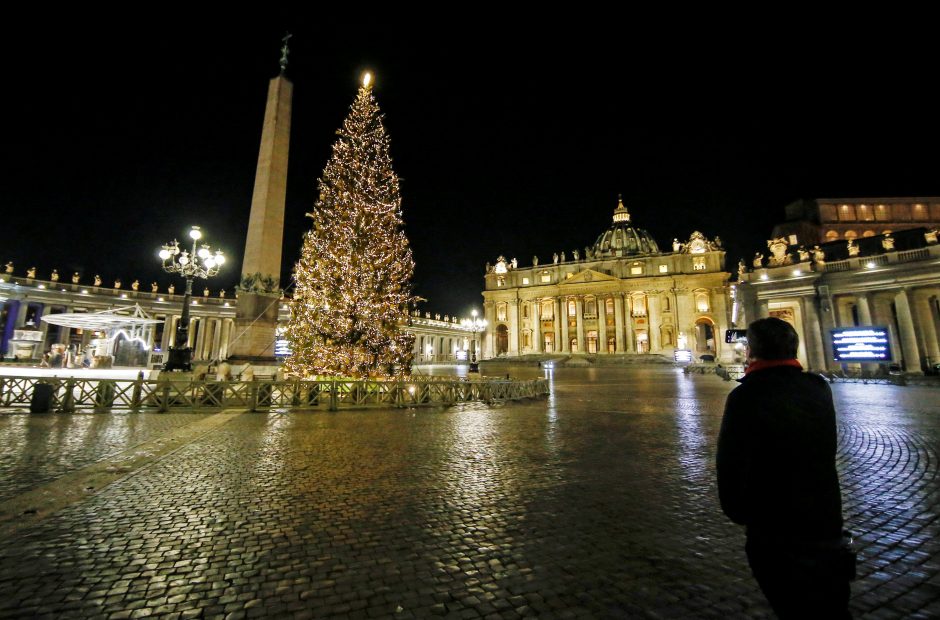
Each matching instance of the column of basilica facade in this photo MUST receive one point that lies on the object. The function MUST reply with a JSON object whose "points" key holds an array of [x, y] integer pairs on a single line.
{"points": [[619, 296]]}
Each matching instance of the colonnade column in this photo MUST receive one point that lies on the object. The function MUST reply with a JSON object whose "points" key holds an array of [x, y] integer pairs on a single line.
{"points": [[926, 328], [618, 323], [863, 309], [489, 349], [536, 326], [827, 322], [579, 320], [226, 337], [170, 332], [763, 309], [565, 340], [557, 325], [216, 350], [515, 329], [815, 351], [602, 325], [21, 314], [654, 319], [908, 336], [630, 346], [883, 315], [200, 339]]}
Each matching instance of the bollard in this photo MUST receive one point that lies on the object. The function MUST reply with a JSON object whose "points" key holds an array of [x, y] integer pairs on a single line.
{"points": [[42, 397]]}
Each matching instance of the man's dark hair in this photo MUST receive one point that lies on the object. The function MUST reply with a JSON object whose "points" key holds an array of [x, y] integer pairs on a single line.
{"points": [[772, 339]]}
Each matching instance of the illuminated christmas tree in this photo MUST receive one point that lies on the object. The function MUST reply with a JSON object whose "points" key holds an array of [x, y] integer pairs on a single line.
{"points": [[353, 280]]}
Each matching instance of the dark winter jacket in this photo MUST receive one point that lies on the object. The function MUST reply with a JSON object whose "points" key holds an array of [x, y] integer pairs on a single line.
{"points": [[776, 457]]}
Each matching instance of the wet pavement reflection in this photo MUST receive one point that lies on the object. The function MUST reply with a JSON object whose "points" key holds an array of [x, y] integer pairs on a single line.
{"points": [[598, 501]]}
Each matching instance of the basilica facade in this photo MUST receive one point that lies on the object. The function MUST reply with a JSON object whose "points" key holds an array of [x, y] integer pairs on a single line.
{"points": [[622, 295]]}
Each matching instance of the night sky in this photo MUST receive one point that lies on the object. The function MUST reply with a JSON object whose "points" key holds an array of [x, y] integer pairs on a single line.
{"points": [[512, 139]]}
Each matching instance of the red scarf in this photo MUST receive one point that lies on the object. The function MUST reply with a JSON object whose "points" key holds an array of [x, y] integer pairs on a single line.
{"points": [[762, 364]]}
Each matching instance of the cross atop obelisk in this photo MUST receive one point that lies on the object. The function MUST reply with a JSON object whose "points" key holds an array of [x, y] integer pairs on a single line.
{"points": [[285, 51], [259, 289]]}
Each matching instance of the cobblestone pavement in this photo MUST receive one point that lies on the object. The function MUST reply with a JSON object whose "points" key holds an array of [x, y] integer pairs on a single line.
{"points": [[597, 502]]}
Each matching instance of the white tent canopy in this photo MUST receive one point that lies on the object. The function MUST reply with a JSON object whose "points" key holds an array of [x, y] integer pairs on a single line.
{"points": [[127, 318], [130, 321]]}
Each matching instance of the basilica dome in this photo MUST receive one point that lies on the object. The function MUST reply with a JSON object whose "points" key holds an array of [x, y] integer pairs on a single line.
{"points": [[622, 239]]}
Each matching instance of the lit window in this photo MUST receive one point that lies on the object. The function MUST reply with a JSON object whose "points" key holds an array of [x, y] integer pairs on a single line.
{"points": [[698, 263], [636, 271], [701, 302], [832, 235], [501, 312], [548, 310], [638, 303], [500, 281], [851, 234], [546, 278], [525, 280], [590, 307], [572, 308], [664, 269]]}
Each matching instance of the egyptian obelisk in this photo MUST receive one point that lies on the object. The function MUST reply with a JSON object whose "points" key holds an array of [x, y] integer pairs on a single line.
{"points": [[260, 289]]}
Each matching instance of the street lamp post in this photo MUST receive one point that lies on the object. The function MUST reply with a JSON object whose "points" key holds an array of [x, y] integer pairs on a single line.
{"points": [[201, 263], [476, 326]]}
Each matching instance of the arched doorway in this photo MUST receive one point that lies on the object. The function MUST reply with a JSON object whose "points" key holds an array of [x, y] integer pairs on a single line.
{"points": [[502, 340], [705, 342]]}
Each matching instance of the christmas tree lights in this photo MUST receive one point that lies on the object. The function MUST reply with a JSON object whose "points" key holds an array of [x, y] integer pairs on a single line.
{"points": [[353, 280]]}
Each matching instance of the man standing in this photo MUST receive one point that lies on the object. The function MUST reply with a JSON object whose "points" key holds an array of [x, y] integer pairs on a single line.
{"points": [[777, 476]]}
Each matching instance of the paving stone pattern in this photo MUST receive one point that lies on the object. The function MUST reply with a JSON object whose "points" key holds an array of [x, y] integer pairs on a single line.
{"points": [[597, 502], [38, 448]]}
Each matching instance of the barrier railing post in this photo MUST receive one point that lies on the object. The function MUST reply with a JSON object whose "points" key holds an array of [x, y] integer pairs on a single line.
{"points": [[253, 397], [165, 400], [68, 399], [333, 399], [138, 389]]}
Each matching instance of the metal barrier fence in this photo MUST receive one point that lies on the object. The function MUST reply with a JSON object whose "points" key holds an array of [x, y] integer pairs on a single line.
{"points": [[70, 394]]}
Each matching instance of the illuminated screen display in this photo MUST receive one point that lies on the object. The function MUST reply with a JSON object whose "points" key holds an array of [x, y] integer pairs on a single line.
{"points": [[735, 335], [683, 355], [861, 344]]}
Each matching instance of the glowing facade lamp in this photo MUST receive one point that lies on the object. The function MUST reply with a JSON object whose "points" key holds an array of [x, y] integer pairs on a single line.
{"points": [[197, 263]]}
